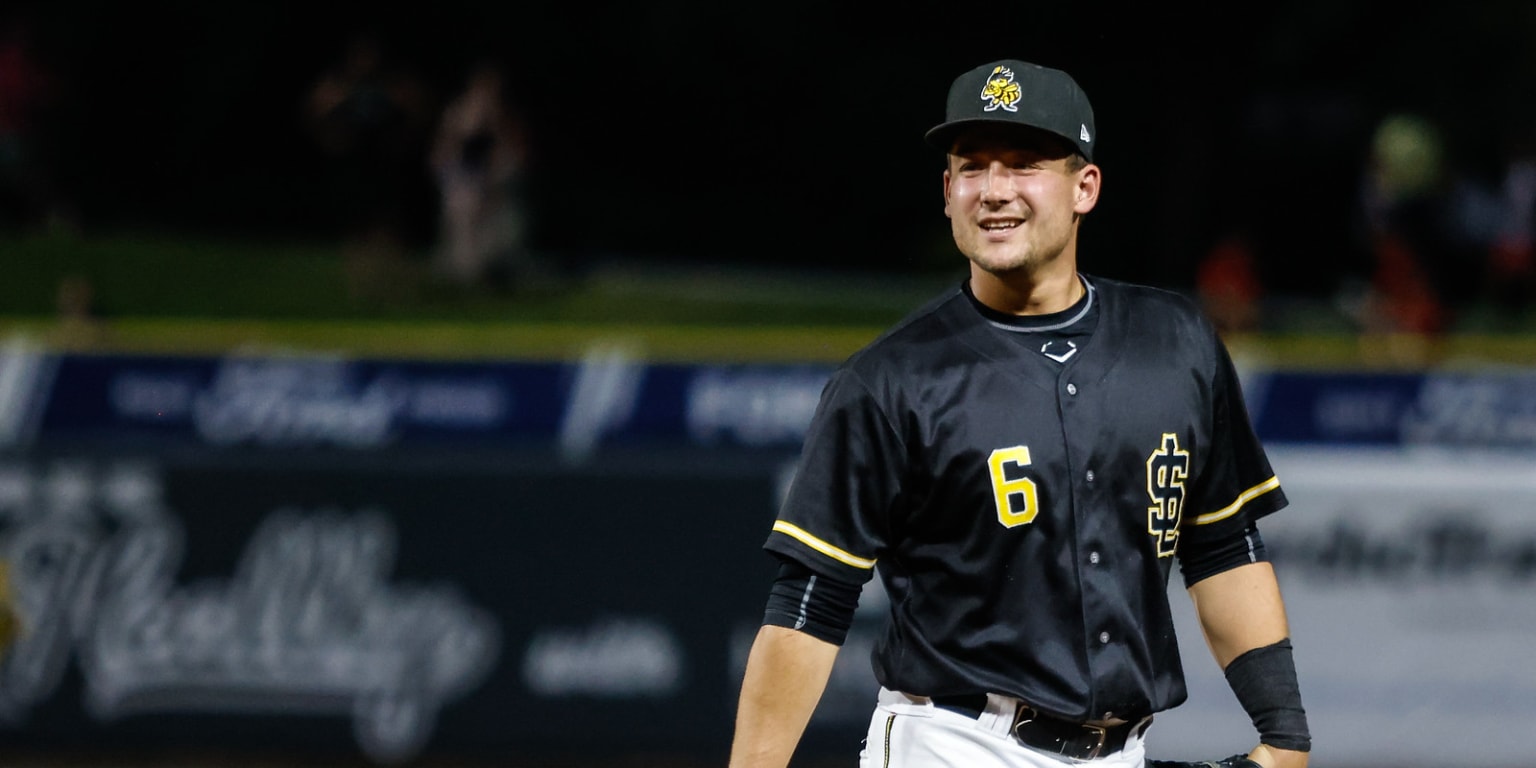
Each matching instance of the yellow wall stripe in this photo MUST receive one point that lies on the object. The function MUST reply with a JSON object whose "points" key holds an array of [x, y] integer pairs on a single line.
{"points": [[1242, 498], [842, 556]]}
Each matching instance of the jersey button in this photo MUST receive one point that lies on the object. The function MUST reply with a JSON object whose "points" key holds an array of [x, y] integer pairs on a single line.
{"points": [[1090, 475], [1104, 637], [1071, 389], [1093, 557]]}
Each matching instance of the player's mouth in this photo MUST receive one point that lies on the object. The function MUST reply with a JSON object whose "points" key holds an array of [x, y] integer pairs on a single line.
{"points": [[1000, 225]]}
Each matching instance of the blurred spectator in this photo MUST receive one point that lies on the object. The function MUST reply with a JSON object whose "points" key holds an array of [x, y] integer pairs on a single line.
{"points": [[79, 324], [10, 616], [370, 116], [1413, 272], [1494, 215], [1229, 287], [479, 159], [28, 196], [1511, 278]]}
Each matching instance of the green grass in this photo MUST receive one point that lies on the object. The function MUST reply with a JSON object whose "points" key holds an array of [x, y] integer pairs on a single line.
{"points": [[138, 276], [134, 275], [180, 295]]}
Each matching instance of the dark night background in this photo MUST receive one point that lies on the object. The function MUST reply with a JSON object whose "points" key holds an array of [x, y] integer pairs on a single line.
{"points": [[685, 139], [788, 133]]}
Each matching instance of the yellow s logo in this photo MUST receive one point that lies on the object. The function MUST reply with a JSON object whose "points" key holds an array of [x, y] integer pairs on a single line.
{"points": [[1167, 468]]}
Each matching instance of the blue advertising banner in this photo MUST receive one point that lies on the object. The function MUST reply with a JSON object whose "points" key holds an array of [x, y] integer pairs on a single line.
{"points": [[278, 401], [1489, 409], [611, 397]]}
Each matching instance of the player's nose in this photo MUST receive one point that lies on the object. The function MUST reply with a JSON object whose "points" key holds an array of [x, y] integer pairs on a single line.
{"points": [[998, 184]]}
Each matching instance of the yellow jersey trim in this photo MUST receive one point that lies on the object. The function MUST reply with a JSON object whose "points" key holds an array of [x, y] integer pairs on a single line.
{"points": [[1242, 498], [798, 534]]}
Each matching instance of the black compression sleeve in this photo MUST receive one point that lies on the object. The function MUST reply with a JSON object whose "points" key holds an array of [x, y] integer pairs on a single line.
{"points": [[1264, 680], [816, 605], [1210, 558]]}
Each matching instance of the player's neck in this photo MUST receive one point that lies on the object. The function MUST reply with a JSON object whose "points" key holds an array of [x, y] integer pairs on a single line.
{"points": [[1021, 293]]}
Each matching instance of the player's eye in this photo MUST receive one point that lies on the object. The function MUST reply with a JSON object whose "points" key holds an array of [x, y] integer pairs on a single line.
{"points": [[1027, 162]]}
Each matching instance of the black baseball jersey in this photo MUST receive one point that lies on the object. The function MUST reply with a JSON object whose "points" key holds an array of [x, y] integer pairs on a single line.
{"points": [[1024, 515]]}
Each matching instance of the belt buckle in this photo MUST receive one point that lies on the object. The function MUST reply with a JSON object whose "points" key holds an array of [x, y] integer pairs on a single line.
{"points": [[1026, 715], [1022, 716], [1103, 734]]}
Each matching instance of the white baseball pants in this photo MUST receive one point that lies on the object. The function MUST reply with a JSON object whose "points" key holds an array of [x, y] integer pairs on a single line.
{"points": [[910, 732]]}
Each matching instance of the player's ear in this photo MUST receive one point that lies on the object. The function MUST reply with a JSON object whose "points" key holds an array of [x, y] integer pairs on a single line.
{"points": [[946, 191], [1087, 193]]}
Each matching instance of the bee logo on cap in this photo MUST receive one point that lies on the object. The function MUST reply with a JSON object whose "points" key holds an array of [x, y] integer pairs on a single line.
{"points": [[1000, 91]]}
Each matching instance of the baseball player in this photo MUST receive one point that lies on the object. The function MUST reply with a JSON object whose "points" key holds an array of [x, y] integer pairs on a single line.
{"points": [[1022, 462]]}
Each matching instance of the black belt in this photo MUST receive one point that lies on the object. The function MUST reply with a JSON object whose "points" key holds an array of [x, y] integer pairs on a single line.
{"points": [[1078, 741]]}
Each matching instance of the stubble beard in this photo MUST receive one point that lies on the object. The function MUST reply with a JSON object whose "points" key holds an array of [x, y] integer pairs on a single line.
{"points": [[1012, 263]]}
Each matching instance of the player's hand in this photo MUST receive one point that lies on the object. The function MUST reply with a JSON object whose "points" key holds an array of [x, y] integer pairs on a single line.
{"points": [[1275, 757]]}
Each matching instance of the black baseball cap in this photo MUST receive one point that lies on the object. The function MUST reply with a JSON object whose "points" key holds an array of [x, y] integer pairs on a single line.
{"points": [[1011, 92]]}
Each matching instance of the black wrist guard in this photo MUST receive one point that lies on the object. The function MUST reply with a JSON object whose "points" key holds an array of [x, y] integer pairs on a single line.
{"points": [[1264, 680]]}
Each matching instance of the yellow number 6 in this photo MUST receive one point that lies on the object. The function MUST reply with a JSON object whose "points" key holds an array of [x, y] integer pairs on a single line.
{"points": [[1017, 499]]}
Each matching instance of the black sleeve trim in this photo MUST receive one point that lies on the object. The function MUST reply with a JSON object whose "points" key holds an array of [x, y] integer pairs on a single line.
{"points": [[803, 600], [1201, 560]]}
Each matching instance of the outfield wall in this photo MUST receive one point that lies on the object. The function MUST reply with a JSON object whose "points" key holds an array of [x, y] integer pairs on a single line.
{"points": [[406, 561]]}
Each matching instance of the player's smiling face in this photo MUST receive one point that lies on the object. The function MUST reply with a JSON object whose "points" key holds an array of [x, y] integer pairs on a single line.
{"points": [[1013, 196]]}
